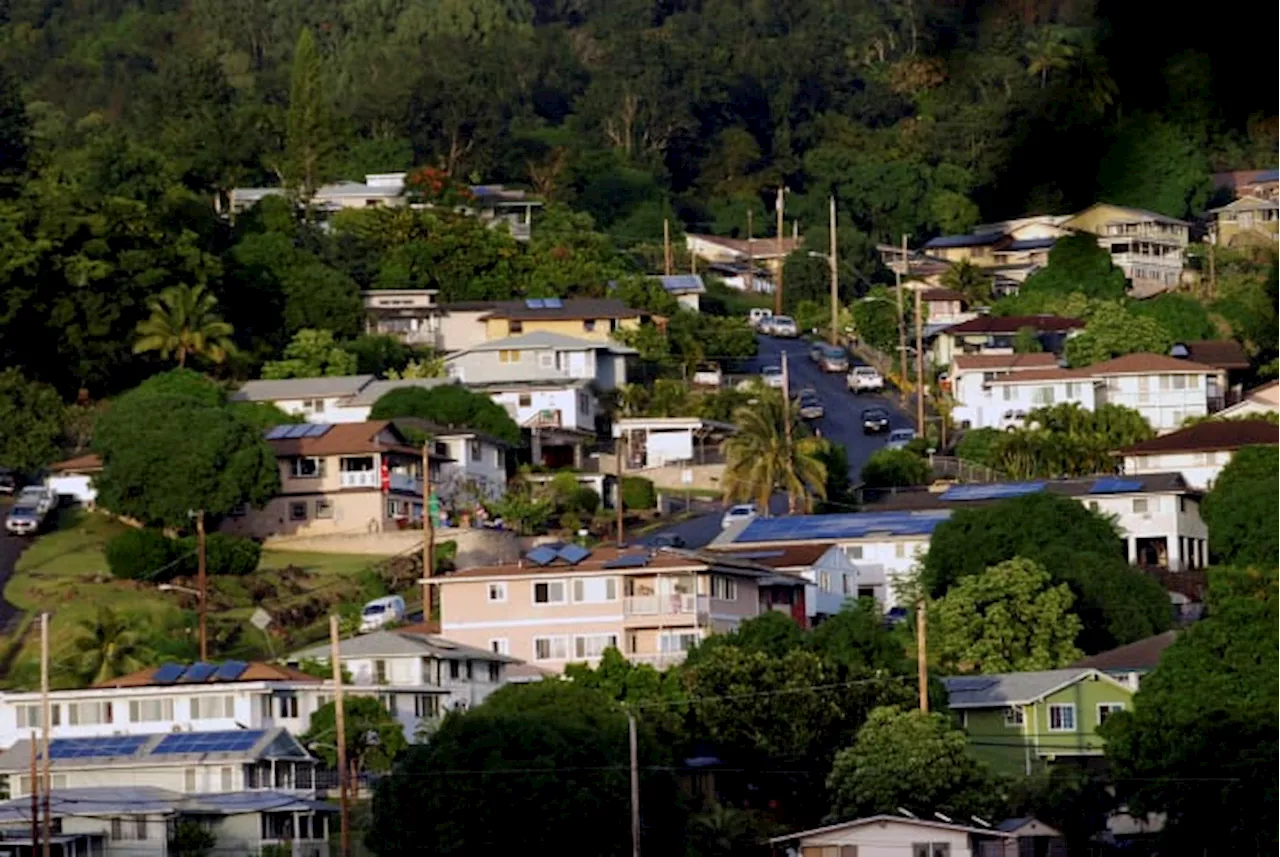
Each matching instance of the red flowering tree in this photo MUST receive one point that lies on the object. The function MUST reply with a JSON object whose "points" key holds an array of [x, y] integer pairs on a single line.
{"points": [[435, 186]]}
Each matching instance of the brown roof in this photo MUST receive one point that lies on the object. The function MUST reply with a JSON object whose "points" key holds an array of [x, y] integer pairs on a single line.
{"points": [[940, 294], [790, 556], [1145, 363], [1209, 436], [1219, 353], [1141, 656], [256, 671], [1006, 361], [90, 462], [577, 308], [1043, 375], [346, 439], [761, 248], [1014, 323]]}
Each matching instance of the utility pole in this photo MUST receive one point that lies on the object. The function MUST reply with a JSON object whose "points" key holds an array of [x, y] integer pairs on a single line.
{"points": [[922, 653], [202, 583], [46, 725], [919, 369], [340, 724], [35, 795], [666, 246], [779, 207], [1213, 273], [835, 276], [635, 785], [902, 332], [428, 533], [786, 424], [751, 256], [620, 450]]}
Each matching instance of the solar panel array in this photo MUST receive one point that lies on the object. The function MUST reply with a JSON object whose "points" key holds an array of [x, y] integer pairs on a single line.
{"points": [[96, 748], [199, 672], [628, 560], [574, 554], [994, 491], [168, 673], [293, 431], [1111, 485], [543, 555], [852, 525], [547, 554], [544, 303], [208, 742], [230, 671]]}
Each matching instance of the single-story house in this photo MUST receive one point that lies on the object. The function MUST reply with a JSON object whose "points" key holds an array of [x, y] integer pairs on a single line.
{"points": [[74, 478], [1198, 452], [905, 834]]}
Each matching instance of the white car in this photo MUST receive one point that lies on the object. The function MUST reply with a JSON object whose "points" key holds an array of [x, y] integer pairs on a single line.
{"points": [[708, 375], [864, 379], [781, 325], [380, 612], [741, 512], [899, 438], [43, 499], [772, 377]]}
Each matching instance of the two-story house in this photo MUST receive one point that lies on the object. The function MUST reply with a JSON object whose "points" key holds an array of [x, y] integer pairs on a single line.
{"points": [[831, 577], [326, 400], [992, 334], [1012, 396], [417, 676], [1021, 722], [1198, 452], [942, 307], [542, 356], [1247, 220], [970, 377], [561, 604], [1165, 390], [410, 315], [1149, 247], [593, 319]]}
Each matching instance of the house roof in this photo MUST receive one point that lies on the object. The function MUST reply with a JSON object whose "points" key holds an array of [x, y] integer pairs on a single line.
{"points": [[966, 495], [400, 642], [1140, 656], [1032, 375], [1210, 435], [1145, 363], [160, 749], [375, 390], [544, 340], [1013, 323], [615, 560], [253, 671], [997, 691], [90, 462], [785, 556], [761, 248], [880, 819], [345, 439], [1219, 353], [833, 528], [300, 388], [938, 295], [573, 308], [945, 241], [151, 800], [682, 284], [1030, 244], [1011, 362], [1013, 825], [1134, 213], [1247, 203]]}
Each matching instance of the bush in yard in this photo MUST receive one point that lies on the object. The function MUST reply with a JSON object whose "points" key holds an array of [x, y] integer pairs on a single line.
{"points": [[223, 553], [585, 500], [142, 555], [638, 493]]}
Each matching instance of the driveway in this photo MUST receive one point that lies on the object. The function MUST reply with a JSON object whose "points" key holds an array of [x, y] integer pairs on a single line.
{"points": [[11, 547]]}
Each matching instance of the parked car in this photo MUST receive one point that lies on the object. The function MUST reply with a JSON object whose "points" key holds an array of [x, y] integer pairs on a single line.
{"points": [[784, 326], [895, 616], [765, 325], [758, 316], [667, 540], [875, 420], [708, 375], [815, 350], [8, 482], [772, 377], [864, 379], [833, 359], [811, 408], [741, 512], [44, 499], [381, 612], [899, 438], [24, 520]]}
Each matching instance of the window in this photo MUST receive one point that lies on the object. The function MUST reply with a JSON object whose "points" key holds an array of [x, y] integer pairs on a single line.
{"points": [[677, 641], [455, 669], [846, 584], [589, 325], [305, 467], [225, 779], [899, 550], [724, 588], [1193, 382], [829, 851], [426, 705], [1139, 506], [117, 828], [1073, 389], [1013, 716], [495, 672], [473, 449], [497, 592], [550, 648], [853, 551], [1008, 392], [1182, 504], [29, 716], [595, 590], [189, 779], [150, 710], [1179, 382], [824, 581], [1062, 718], [525, 400], [297, 511], [88, 713], [546, 360], [324, 508], [930, 849], [500, 646], [548, 592], [515, 326], [507, 355], [1042, 396], [287, 705], [380, 671], [1106, 709], [593, 645], [866, 592], [212, 707]]}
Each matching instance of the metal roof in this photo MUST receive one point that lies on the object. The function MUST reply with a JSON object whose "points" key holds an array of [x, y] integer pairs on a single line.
{"points": [[1024, 688], [152, 800], [1031, 244], [544, 340], [300, 388], [682, 284], [397, 643], [375, 390], [833, 528], [943, 241]]}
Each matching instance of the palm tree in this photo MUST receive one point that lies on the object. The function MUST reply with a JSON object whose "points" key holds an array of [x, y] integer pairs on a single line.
{"points": [[1048, 51], [762, 457], [107, 647], [184, 322], [969, 280]]}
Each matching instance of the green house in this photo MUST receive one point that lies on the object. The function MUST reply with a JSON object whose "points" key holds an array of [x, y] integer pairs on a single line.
{"points": [[1020, 722]]}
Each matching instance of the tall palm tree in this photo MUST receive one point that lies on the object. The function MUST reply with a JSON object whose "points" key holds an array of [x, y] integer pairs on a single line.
{"points": [[184, 322], [762, 458], [107, 646], [969, 280], [1048, 51]]}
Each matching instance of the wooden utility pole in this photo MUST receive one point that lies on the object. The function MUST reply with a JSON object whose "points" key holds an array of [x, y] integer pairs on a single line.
{"points": [[1213, 272], [751, 256], [835, 275], [619, 451], [428, 534], [202, 583], [46, 725], [919, 368], [922, 653], [902, 331], [340, 724], [779, 207], [666, 246], [786, 424], [635, 785], [35, 795]]}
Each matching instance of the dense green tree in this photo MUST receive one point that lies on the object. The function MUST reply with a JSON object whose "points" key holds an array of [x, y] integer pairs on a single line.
{"points": [[764, 457], [895, 468], [15, 134], [379, 354], [876, 320], [856, 638], [106, 646], [1156, 165], [1076, 264], [312, 354], [1182, 316], [374, 738], [1242, 508], [184, 323], [31, 423], [310, 139], [1113, 331], [772, 633], [449, 405], [969, 280]]}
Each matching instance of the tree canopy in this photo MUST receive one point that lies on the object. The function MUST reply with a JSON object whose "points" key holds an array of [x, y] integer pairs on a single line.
{"points": [[31, 420], [449, 405], [1242, 509]]}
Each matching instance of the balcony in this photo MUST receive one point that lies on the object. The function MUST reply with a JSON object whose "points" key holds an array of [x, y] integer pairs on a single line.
{"points": [[405, 482], [359, 479], [665, 605], [659, 661]]}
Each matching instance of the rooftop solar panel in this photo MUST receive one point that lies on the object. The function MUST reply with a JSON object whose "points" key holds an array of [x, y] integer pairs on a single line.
{"points": [[88, 748], [1110, 485], [277, 432], [198, 672], [168, 673], [630, 560], [574, 554], [317, 429], [533, 303], [834, 528], [230, 671], [994, 491], [297, 431], [552, 303], [542, 555], [208, 742]]}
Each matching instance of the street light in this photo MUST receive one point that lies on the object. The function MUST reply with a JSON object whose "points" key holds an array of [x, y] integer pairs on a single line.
{"points": [[200, 597]]}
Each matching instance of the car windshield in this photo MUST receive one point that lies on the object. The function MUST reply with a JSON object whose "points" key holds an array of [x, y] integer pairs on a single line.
{"points": [[863, 370], [741, 510], [783, 319], [833, 352], [806, 401], [23, 511], [903, 434], [773, 370], [375, 609], [875, 414]]}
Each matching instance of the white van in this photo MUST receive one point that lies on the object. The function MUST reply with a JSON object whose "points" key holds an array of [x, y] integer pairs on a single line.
{"points": [[380, 612], [756, 315]]}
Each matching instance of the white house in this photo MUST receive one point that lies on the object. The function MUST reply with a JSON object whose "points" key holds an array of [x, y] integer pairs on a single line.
{"points": [[564, 404], [832, 577], [321, 400], [410, 315], [1198, 452], [896, 836], [687, 289], [1010, 397], [1257, 402], [1163, 389], [970, 377], [73, 478], [418, 676], [542, 356]]}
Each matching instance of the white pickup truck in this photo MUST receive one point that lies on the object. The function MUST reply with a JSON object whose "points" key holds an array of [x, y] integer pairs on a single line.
{"points": [[864, 379], [708, 375]]}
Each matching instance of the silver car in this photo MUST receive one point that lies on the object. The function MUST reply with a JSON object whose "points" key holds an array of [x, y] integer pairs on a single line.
{"points": [[899, 438], [784, 326], [23, 520], [772, 377]]}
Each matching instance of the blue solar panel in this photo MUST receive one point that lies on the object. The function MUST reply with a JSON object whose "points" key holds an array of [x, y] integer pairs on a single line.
{"points": [[208, 742], [88, 748], [552, 303], [317, 429], [834, 528], [631, 560], [168, 673], [994, 491], [574, 554], [542, 555], [297, 431], [1110, 485], [277, 432], [534, 303], [198, 672], [230, 671]]}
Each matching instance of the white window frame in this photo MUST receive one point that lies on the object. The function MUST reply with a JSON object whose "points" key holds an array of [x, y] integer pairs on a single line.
{"points": [[136, 705], [1141, 506], [564, 593], [1014, 717], [1061, 708], [671, 642], [724, 588], [496, 592], [551, 642], [500, 645], [296, 461], [1110, 708], [579, 590], [854, 552], [580, 645]]}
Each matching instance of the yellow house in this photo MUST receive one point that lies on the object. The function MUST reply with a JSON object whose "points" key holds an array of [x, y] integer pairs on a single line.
{"points": [[594, 319], [1248, 220], [1149, 247]]}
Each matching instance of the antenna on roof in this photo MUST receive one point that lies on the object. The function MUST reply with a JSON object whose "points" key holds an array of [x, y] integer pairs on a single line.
{"points": [[981, 821], [942, 817], [908, 813]]}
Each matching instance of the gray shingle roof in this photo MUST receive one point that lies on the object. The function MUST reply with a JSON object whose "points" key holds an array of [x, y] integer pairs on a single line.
{"points": [[300, 388], [995, 691], [375, 390], [392, 643]]}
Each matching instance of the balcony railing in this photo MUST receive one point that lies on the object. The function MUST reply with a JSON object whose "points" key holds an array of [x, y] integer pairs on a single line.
{"points": [[664, 659], [664, 605], [359, 479], [404, 482]]}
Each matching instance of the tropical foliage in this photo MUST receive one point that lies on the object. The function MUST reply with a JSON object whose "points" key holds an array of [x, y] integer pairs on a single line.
{"points": [[108, 645], [184, 323], [765, 456]]}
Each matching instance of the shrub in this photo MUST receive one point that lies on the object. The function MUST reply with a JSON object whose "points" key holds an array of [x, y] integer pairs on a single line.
{"points": [[894, 468], [638, 493], [585, 500], [142, 555], [226, 554]]}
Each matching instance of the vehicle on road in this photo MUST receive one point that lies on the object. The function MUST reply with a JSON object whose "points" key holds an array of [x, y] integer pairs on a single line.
{"points": [[8, 482], [708, 375], [772, 377], [667, 540], [24, 520], [757, 316], [381, 612], [42, 498], [815, 350], [741, 512], [899, 438], [783, 326], [765, 326], [864, 379], [875, 420], [833, 359], [811, 408]]}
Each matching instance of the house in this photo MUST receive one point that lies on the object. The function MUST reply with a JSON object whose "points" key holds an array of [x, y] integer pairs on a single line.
{"points": [[461, 324], [343, 478], [941, 306], [593, 319], [1257, 183], [73, 478], [1009, 251], [768, 252], [123, 794], [1165, 390], [991, 334], [1257, 402], [687, 289], [688, 442], [473, 463], [1246, 221], [561, 604], [326, 399], [417, 676], [1157, 514], [1129, 663], [1149, 247], [831, 575], [969, 378], [542, 356], [743, 277], [1227, 357], [891, 835], [410, 315], [1001, 397], [883, 546], [1021, 722], [1198, 452]]}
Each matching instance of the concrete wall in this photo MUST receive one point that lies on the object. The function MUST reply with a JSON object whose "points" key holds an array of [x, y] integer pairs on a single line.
{"points": [[475, 546]]}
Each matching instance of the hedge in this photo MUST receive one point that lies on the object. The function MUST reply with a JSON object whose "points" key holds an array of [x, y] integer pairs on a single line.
{"points": [[143, 555], [638, 493]]}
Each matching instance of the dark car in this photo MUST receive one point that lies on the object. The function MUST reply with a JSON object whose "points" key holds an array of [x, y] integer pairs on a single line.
{"points": [[811, 407], [667, 540], [875, 421]]}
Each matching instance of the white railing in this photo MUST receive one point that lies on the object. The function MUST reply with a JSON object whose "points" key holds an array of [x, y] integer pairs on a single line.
{"points": [[359, 479], [665, 659], [664, 605]]}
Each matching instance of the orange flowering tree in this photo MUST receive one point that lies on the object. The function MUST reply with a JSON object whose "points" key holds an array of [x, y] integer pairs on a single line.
{"points": [[434, 185]]}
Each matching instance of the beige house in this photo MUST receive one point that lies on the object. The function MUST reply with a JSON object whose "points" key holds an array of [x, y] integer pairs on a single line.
{"points": [[550, 611], [410, 315], [1149, 247], [906, 836], [595, 319], [1247, 220]]}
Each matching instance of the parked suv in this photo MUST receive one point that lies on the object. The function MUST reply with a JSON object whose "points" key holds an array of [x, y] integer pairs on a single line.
{"points": [[24, 520]]}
